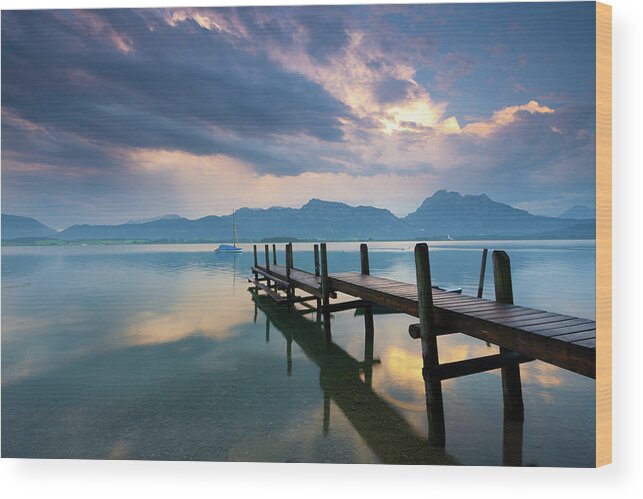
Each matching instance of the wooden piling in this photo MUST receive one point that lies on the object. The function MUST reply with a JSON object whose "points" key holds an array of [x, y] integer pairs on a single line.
{"points": [[325, 291], [316, 251], [267, 254], [292, 260], [289, 292], [511, 384], [369, 326], [254, 250], [430, 359], [512, 442], [274, 254], [288, 262], [483, 267], [363, 253], [425, 305], [316, 256]]}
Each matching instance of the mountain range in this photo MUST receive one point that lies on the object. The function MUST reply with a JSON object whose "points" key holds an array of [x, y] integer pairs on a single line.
{"points": [[15, 227], [443, 215]]}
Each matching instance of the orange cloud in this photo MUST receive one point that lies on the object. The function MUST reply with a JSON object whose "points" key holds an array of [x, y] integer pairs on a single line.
{"points": [[96, 25], [224, 21], [504, 117]]}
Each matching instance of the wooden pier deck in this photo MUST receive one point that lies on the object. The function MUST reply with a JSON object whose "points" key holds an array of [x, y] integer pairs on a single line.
{"points": [[306, 281], [565, 341], [562, 340]]}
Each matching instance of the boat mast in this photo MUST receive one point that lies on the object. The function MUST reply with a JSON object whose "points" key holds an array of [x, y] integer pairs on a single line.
{"points": [[234, 228]]}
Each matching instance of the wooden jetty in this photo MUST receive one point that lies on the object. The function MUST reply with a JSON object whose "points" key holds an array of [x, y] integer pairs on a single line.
{"points": [[522, 334]]}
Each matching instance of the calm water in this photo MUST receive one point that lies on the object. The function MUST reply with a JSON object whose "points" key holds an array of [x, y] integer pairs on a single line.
{"points": [[160, 352]]}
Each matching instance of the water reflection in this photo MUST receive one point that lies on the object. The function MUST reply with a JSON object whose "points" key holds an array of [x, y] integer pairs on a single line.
{"points": [[347, 382], [387, 433], [159, 353]]}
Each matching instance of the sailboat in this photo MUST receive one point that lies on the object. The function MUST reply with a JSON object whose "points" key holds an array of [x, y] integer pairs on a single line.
{"points": [[231, 248]]}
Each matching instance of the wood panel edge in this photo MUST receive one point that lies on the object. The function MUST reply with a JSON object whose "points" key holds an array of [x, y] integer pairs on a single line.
{"points": [[603, 234]]}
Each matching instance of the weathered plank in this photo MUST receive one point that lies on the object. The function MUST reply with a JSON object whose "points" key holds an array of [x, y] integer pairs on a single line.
{"points": [[577, 328], [549, 329], [347, 305], [415, 332], [479, 307], [300, 279], [270, 292], [271, 277], [582, 335], [548, 317], [478, 365], [586, 343]]}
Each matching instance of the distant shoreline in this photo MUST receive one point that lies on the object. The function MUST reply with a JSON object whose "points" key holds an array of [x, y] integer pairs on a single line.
{"points": [[48, 242]]}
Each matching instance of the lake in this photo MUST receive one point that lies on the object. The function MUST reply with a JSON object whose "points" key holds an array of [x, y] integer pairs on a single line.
{"points": [[160, 352]]}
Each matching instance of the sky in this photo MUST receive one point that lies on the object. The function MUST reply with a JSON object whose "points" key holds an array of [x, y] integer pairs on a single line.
{"points": [[112, 115]]}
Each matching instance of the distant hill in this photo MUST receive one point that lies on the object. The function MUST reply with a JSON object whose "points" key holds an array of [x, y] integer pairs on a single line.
{"points": [[14, 226], [315, 220], [579, 212], [450, 213], [445, 214], [155, 219]]}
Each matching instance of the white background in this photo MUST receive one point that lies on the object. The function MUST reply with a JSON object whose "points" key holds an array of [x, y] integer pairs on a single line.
{"points": [[122, 479]]}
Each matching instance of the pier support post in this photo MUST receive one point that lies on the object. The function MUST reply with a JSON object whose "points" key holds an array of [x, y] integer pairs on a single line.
{"points": [[425, 306], [325, 291], [292, 260], [369, 327], [483, 268], [274, 254], [363, 256], [511, 384], [267, 252], [287, 260], [288, 268], [316, 253], [512, 440], [254, 251], [316, 257], [433, 386]]}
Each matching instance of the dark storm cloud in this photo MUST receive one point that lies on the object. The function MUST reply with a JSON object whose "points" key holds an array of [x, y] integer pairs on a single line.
{"points": [[326, 35], [359, 90], [104, 76]]}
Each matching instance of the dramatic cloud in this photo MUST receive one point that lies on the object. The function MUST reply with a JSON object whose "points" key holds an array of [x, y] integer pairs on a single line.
{"points": [[505, 117], [109, 115]]}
